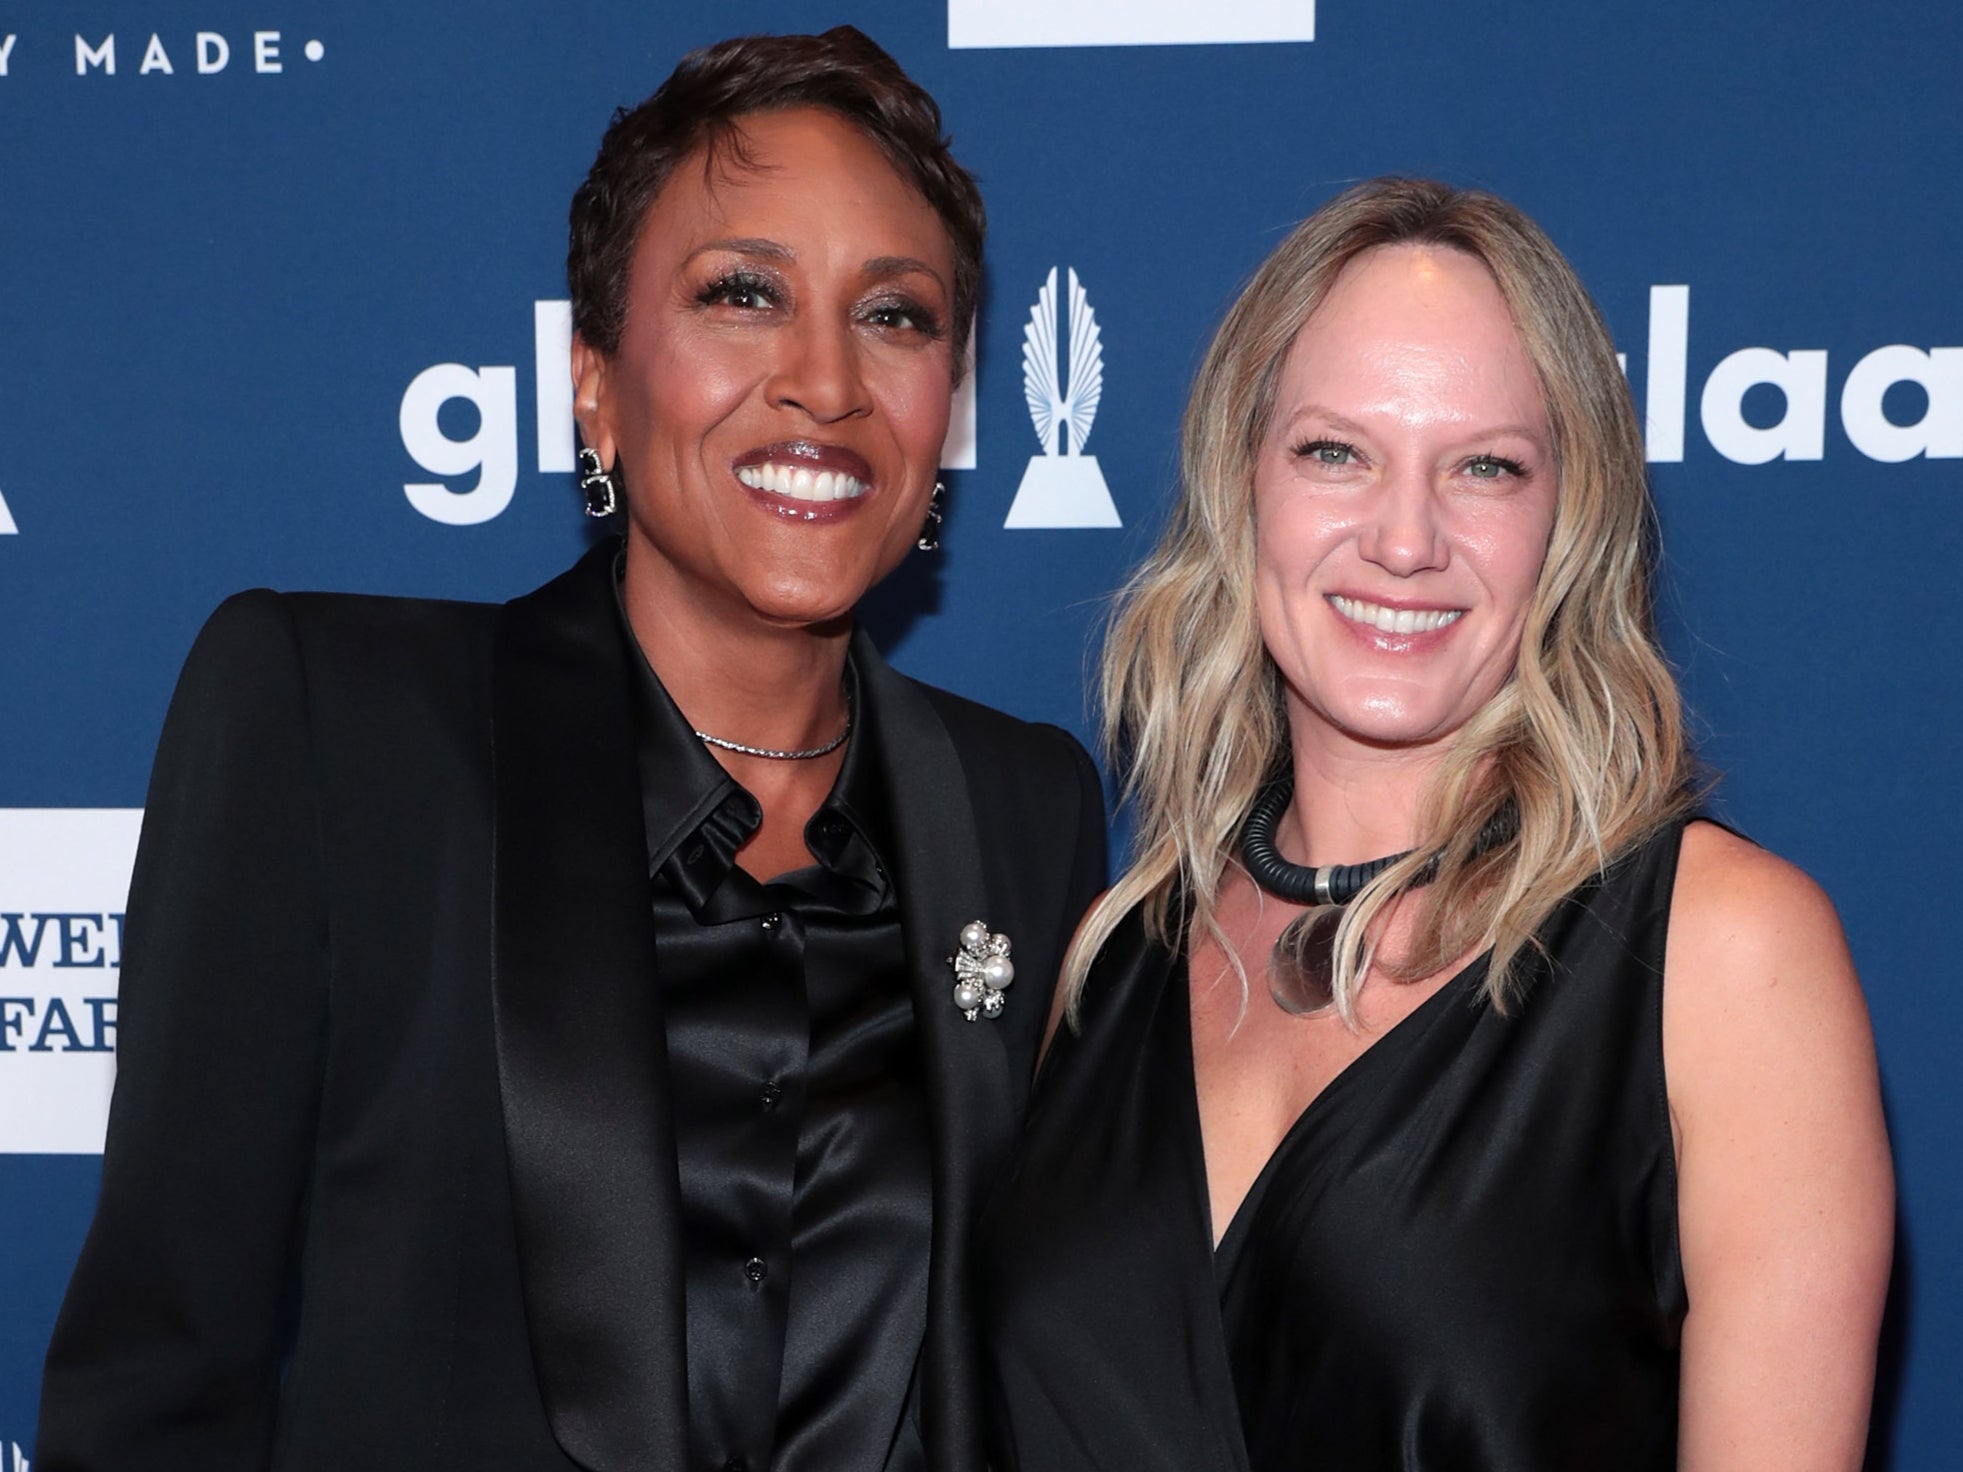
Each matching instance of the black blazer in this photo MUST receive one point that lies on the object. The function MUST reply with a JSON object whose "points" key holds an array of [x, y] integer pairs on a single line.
{"points": [[390, 1178]]}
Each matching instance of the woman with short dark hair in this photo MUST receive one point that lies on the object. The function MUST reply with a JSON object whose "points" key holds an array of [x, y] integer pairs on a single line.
{"points": [[575, 1032]]}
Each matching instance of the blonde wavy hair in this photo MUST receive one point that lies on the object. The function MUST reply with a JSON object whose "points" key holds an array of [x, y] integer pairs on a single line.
{"points": [[1586, 741]]}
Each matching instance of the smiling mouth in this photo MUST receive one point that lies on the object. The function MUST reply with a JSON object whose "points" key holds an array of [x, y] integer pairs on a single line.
{"points": [[820, 480], [1394, 620], [801, 482]]}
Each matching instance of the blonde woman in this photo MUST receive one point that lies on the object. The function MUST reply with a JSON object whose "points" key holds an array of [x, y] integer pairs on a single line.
{"points": [[1436, 1091]]}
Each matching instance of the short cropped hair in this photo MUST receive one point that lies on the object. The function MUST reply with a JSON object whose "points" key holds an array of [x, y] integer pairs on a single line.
{"points": [[701, 105]]}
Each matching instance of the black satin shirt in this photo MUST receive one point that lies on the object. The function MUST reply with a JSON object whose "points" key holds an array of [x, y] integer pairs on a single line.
{"points": [[800, 1113]]}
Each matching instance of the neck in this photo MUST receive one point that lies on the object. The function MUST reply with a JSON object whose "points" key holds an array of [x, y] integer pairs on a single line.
{"points": [[735, 675], [1353, 802]]}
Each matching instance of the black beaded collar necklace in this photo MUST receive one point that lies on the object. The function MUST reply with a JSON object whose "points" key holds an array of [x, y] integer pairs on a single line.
{"points": [[1301, 968], [1332, 884]]}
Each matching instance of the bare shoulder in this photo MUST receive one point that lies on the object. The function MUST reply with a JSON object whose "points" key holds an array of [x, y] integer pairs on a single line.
{"points": [[1785, 1192], [1744, 923], [1760, 992]]}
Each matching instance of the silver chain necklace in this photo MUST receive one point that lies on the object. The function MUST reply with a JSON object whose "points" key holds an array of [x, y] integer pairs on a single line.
{"points": [[780, 756]]}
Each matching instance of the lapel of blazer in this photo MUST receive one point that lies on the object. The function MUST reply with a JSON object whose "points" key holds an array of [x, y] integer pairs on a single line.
{"points": [[582, 1056], [972, 1098]]}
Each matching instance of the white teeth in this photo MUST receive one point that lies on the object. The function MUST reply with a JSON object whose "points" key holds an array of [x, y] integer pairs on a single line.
{"points": [[801, 483], [1394, 620]]}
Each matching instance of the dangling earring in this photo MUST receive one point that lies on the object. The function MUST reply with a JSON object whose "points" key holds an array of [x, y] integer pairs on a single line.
{"points": [[599, 486], [930, 529]]}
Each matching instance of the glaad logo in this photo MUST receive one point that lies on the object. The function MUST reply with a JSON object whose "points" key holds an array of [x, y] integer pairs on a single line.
{"points": [[7, 527], [1101, 23], [491, 453], [1062, 486], [64, 875], [209, 52], [17, 1462], [1800, 377]]}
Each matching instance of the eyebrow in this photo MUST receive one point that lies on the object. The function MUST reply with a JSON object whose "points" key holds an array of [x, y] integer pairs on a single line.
{"points": [[884, 268], [1520, 430], [770, 250], [1350, 426], [1316, 411], [879, 268]]}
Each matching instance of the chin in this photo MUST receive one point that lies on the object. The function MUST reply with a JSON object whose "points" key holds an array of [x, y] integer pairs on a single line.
{"points": [[805, 606], [820, 594], [1392, 722]]}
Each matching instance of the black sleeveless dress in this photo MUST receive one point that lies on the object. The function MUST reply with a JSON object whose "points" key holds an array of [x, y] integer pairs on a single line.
{"points": [[1463, 1254]]}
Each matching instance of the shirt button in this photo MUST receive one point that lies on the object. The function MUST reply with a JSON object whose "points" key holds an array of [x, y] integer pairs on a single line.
{"points": [[755, 1270], [771, 921], [770, 1093]]}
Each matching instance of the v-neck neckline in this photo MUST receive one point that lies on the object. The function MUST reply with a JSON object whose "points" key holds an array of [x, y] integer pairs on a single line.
{"points": [[1340, 1082]]}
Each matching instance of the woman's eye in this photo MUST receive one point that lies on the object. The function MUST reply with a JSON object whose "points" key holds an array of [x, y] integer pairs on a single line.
{"points": [[904, 316], [741, 290], [1327, 452], [1491, 467]]}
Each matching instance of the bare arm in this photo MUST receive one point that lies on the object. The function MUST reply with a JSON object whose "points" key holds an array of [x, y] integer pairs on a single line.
{"points": [[1786, 1192]]}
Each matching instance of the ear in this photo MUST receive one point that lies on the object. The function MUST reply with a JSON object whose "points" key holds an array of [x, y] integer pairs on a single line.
{"points": [[590, 399]]}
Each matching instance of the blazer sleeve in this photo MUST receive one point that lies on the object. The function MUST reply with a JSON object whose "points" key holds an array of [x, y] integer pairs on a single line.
{"points": [[167, 1350]]}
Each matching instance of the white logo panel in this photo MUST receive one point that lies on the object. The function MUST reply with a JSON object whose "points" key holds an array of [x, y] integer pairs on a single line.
{"points": [[1062, 486], [64, 877], [7, 527], [984, 23]]}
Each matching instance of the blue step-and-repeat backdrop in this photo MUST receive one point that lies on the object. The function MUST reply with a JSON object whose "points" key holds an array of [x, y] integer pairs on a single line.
{"points": [[281, 302]]}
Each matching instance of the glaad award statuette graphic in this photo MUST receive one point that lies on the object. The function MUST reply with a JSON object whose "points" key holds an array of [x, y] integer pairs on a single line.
{"points": [[1062, 486]]}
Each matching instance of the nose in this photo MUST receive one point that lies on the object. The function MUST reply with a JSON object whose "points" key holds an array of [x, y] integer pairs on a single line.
{"points": [[818, 372], [1402, 532]]}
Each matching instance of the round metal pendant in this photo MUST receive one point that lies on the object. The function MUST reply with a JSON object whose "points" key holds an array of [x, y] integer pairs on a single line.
{"points": [[1303, 980]]}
